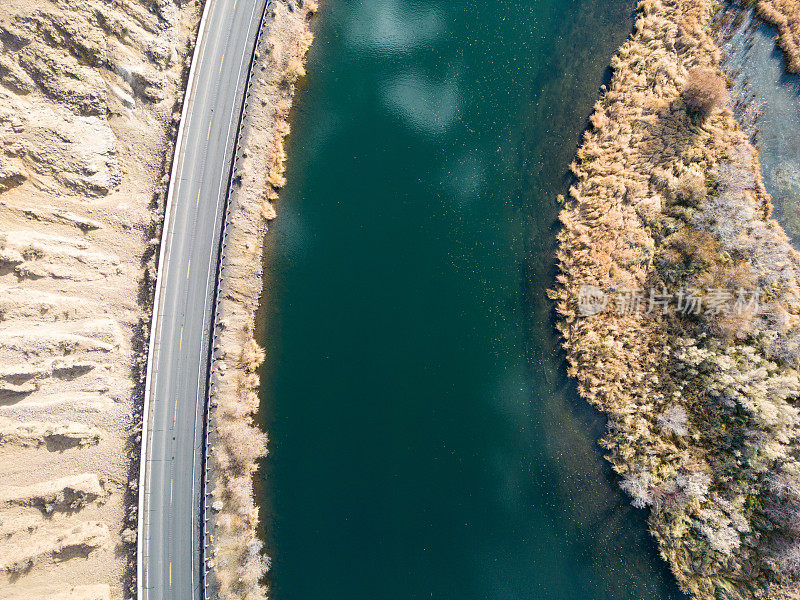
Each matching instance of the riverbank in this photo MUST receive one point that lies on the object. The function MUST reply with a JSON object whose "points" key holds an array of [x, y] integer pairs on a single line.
{"points": [[235, 558], [785, 15], [420, 423], [679, 299], [766, 103], [88, 99]]}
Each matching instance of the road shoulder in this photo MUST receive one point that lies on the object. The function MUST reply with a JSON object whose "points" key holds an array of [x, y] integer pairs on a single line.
{"points": [[235, 561]]}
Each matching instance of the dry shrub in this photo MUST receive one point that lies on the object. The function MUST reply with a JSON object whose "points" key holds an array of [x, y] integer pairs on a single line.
{"points": [[252, 356], [295, 68], [238, 494], [695, 245], [268, 212], [244, 408], [692, 188], [244, 444], [674, 419], [725, 274], [730, 324], [704, 91], [788, 558], [686, 255], [736, 321]]}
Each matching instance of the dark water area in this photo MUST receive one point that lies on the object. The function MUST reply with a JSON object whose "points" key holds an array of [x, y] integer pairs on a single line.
{"points": [[425, 441], [767, 102]]}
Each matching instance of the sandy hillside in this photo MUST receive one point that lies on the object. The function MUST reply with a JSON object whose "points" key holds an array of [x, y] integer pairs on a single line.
{"points": [[88, 90]]}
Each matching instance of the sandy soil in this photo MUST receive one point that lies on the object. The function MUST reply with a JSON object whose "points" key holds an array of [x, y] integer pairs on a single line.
{"points": [[236, 557], [88, 94]]}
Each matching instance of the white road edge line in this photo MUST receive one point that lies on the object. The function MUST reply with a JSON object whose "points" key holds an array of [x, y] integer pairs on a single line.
{"points": [[166, 226]]}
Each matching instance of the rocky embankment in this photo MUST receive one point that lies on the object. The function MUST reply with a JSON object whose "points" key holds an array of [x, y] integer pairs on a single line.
{"points": [[235, 559], [679, 303], [89, 91]]}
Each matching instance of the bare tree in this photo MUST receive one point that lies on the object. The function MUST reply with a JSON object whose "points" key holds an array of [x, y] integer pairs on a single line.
{"points": [[788, 558], [674, 419], [638, 486]]}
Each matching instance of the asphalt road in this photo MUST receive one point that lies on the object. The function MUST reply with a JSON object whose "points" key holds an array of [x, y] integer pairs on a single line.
{"points": [[172, 527]]}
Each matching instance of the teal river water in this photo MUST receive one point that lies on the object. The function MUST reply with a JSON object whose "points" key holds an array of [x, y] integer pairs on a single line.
{"points": [[767, 101], [425, 441]]}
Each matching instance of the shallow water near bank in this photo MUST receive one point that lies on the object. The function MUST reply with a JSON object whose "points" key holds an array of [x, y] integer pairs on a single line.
{"points": [[767, 103], [425, 442]]}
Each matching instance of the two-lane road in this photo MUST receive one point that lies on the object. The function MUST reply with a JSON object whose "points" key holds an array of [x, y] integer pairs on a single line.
{"points": [[170, 530]]}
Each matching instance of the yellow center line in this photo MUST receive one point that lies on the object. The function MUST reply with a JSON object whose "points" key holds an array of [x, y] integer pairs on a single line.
{"points": [[234, 3], [196, 204], [175, 415], [180, 341], [170, 491], [188, 266], [208, 135], [170, 574], [220, 63]]}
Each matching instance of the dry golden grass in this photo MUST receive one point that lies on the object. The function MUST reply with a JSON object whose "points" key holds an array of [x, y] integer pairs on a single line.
{"points": [[785, 15], [663, 200]]}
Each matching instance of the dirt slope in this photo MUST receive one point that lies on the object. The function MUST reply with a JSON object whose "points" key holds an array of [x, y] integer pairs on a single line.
{"points": [[88, 94]]}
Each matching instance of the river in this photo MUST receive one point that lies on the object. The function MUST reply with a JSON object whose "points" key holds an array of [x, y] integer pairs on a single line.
{"points": [[767, 102], [425, 441]]}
